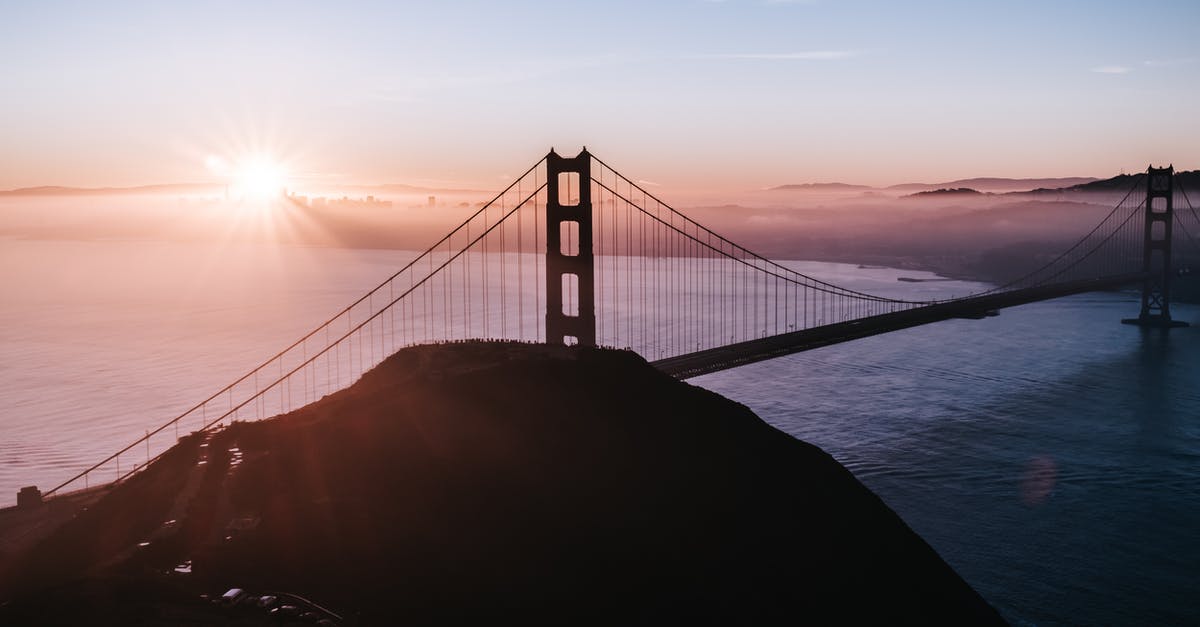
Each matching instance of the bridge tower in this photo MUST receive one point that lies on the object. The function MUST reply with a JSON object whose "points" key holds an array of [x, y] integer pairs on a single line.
{"points": [[1156, 250], [570, 269]]}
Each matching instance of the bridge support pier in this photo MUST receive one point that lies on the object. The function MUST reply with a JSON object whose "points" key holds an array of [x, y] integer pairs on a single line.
{"points": [[1156, 251], [570, 269]]}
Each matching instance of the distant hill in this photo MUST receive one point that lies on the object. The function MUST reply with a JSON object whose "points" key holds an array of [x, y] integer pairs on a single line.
{"points": [[996, 185], [1189, 180], [957, 191], [981, 184], [401, 188], [822, 187], [168, 188]]}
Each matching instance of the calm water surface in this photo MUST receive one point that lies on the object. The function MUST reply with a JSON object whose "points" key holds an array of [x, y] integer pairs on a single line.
{"points": [[1051, 455]]}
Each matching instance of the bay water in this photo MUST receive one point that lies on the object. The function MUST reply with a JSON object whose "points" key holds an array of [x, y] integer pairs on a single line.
{"points": [[1050, 454]]}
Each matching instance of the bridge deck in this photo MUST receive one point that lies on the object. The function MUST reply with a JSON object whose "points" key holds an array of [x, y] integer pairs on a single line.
{"points": [[734, 355]]}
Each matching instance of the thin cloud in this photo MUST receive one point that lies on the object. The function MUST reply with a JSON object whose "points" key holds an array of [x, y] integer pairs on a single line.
{"points": [[808, 55], [1112, 69], [1169, 62]]}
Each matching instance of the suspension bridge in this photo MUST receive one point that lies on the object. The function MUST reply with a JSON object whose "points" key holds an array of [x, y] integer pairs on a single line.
{"points": [[574, 252]]}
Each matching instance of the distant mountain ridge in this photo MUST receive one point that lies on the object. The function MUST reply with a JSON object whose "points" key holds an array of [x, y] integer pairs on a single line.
{"points": [[956, 191], [998, 184], [982, 184], [402, 188], [836, 187], [1189, 180], [62, 190]]}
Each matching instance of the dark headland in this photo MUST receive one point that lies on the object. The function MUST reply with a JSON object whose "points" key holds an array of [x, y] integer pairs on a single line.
{"points": [[498, 483]]}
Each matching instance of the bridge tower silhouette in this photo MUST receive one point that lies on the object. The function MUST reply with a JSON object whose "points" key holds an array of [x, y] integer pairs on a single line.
{"points": [[1156, 250], [570, 261]]}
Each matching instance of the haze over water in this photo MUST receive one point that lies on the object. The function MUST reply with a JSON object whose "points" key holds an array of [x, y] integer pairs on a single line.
{"points": [[1048, 454]]}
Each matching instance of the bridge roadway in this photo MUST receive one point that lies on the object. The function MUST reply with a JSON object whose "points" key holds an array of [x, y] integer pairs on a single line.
{"points": [[972, 307]]}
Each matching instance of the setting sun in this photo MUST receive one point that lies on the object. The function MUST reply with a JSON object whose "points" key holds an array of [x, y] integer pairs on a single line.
{"points": [[259, 177], [252, 176]]}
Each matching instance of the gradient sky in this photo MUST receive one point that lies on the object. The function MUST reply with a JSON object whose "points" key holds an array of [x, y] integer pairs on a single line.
{"points": [[717, 94]]}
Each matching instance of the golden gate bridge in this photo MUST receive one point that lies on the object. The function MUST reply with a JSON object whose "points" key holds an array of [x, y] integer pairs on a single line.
{"points": [[574, 252]]}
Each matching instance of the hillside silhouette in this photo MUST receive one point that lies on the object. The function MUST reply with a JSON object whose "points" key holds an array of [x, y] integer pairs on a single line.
{"points": [[505, 483], [955, 191]]}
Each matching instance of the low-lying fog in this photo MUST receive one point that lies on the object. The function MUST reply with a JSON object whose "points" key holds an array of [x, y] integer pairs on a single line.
{"points": [[966, 233]]}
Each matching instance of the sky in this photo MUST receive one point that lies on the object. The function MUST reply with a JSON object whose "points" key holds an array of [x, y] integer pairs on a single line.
{"points": [[732, 94]]}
